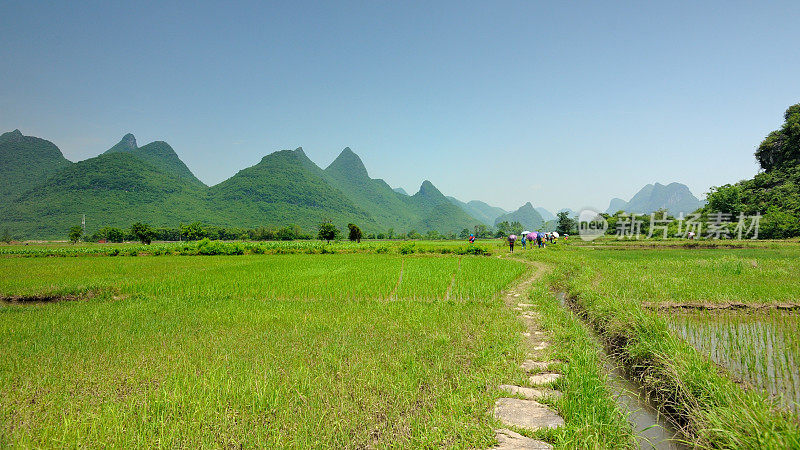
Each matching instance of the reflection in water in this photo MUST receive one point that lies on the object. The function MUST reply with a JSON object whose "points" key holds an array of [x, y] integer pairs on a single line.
{"points": [[653, 430], [760, 347]]}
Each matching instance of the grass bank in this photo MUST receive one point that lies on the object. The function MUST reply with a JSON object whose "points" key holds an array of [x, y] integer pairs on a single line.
{"points": [[592, 419], [703, 400]]}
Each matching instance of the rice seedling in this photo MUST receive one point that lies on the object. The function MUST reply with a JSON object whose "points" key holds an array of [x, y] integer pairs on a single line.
{"points": [[254, 350], [612, 288], [760, 347]]}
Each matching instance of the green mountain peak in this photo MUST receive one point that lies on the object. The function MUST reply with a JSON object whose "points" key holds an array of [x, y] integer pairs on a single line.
{"points": [[126, 144], [349, 165], [526, 215], [428, 190], [15, 135]]}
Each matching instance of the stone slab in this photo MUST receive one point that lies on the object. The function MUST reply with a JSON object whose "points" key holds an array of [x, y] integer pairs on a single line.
{"points": [[509, 440], [544, 378], [530, 393], [528, 414]]}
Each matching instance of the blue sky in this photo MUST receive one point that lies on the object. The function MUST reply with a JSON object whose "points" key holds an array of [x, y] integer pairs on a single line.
{"points": [[564, 104]]}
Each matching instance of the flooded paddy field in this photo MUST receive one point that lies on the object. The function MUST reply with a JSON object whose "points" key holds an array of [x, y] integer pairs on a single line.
{"points": [[760, 347]]}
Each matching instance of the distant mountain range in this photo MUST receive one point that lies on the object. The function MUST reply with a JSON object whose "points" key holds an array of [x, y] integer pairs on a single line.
{"points": [[674, 197], [42, 193], [527, 215], [479, 210]]}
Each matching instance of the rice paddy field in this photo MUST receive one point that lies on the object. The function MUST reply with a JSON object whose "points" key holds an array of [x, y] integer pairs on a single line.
{"points": [[761, 348], [389, 344], [710, 333], [306, 351]]}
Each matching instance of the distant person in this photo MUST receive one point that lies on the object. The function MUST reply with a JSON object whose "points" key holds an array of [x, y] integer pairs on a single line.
{"points": [[523, 241], [691, 235], [511, 240], [539, 240], [471, 238]]}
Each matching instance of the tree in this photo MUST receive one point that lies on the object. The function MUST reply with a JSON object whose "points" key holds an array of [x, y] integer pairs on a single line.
{"points": [[464, 233], [109, 234], [75, 233], [143, 232], [727, 198], [390, 233], [327, 232], [503, 229], [355, 232], [432, 235], [194, 231], [6, 237], [516, 228], [482, 231], [289, 233], [781, 148], [564, 223]]}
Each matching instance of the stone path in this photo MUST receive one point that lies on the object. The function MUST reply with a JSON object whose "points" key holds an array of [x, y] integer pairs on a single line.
{"points": [[510, 440], [523, 411]]}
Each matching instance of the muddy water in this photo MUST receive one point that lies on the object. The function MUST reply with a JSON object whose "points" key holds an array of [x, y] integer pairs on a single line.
{"points": [[653, 430]]}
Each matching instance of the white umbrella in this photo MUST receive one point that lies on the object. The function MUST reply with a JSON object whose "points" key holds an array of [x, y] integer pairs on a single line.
{"points": [[555, 234]]}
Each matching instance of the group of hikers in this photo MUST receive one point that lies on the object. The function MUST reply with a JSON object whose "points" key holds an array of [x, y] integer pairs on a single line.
{"points": [[538, 238]]}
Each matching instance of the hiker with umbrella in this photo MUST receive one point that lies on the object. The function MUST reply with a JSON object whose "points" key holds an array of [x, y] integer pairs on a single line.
{"points": [[511, 240], [531, 237], [522, 238]]}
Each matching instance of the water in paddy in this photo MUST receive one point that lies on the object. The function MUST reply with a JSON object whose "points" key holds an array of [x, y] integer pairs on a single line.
{"points": [[759, 347]]}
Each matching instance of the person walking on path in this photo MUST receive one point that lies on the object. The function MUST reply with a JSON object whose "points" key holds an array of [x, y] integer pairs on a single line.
{"points": [[511, 240], [523, 241]]}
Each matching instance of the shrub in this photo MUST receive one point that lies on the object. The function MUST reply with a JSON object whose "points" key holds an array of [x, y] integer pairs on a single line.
{"points": [[407, 249]]}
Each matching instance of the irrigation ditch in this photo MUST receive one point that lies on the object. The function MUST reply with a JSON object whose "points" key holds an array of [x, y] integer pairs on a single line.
{"points": [[653, 428]]}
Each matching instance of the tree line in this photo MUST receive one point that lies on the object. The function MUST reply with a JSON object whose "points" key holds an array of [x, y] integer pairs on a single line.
{"points": [[196, 231]]}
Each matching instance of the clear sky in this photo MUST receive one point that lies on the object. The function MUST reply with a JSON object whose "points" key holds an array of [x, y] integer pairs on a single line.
{"points": [[564, 104]]}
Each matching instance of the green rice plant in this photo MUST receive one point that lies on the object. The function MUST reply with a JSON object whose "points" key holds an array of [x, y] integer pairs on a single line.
{"points": [[711, 408], [254, 350], [759, 347]]}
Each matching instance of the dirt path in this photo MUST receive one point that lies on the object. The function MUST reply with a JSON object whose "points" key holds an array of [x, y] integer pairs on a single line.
{"points": [[521, 410], [453, 280], [399, 280]]}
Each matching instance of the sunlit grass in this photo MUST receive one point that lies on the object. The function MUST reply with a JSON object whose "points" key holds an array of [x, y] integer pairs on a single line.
{"points": [[286, 350], [611, 286]]}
